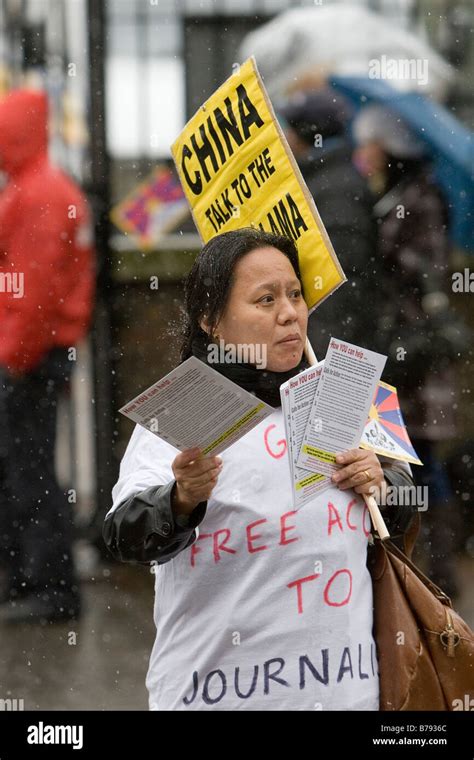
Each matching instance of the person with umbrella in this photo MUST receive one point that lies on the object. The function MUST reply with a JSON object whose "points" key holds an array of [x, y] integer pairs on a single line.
{"points": [[316, 127], [421, 335]]}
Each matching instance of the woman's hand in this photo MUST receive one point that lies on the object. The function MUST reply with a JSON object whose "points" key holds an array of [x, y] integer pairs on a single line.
{"points": [[361, 471], [195, 477]]}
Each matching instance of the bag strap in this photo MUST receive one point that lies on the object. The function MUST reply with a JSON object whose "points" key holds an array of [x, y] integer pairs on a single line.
{"points": [[409, 538], [381, 531], [390, 547]]}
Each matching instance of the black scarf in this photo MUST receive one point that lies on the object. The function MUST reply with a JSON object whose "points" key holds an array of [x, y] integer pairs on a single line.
{"points": [[261, 382]]}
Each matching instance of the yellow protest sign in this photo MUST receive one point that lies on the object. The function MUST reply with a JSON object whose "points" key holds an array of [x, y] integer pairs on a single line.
{"points": [[237, 170]]}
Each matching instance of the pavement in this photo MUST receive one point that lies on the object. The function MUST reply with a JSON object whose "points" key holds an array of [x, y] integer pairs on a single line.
{"points": [[100, 662]]}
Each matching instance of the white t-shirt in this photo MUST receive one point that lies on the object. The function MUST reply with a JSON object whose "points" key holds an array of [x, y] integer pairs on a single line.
{"points": [[269, 609]]}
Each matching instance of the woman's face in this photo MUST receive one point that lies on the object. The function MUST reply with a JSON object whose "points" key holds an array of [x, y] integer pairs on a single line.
{"points": [[266, 308]]}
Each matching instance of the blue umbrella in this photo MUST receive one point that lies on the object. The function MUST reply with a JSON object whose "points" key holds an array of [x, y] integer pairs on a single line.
{"points": [[449, 143]]}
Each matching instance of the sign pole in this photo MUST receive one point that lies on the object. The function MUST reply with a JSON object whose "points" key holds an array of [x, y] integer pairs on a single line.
{"points": [[309, 353]]}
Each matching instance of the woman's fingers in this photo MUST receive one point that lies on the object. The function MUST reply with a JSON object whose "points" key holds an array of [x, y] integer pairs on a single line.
{"points": [[201, 480], [195, 476], [361, 471], [185, 457], [190, 464], [351, 455], [354, 461]]}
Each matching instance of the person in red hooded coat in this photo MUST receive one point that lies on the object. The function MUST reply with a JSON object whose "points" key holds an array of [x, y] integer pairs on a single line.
{"points": [[46, 300]]}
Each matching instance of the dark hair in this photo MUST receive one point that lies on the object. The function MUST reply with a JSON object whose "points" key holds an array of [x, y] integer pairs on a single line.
{"points": [[209, 282]]}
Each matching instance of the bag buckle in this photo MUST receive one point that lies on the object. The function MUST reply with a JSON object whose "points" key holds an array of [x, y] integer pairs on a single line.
{"points": [[449, 639]]}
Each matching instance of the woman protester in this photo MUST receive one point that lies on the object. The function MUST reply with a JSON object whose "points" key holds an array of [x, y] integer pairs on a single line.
{"points": [[257, 606], [417, 323]]}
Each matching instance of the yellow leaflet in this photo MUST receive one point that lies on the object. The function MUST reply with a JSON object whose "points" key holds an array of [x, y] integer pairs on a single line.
{"points": [[234, 427], [307, 481], [323, 456]]}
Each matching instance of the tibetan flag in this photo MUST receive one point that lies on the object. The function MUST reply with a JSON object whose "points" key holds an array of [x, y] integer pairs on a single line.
{"points": [[152, 209], [385, 431]]}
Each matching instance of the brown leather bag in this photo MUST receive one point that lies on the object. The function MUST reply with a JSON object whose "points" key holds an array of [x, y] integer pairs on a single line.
{"points": [[425, 649]]}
